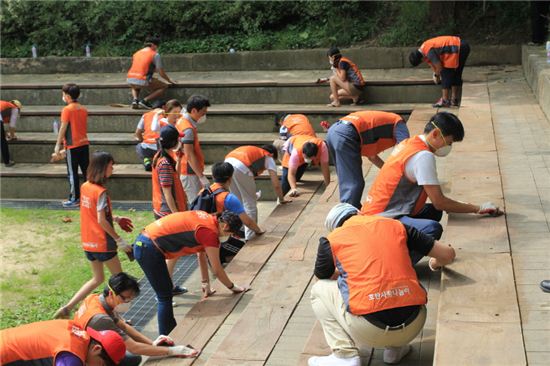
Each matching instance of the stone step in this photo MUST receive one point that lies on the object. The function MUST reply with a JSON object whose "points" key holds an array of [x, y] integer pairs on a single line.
{"points": [[36, 147], [221, 117], [383, 86], [129, 182], [364, 57]]}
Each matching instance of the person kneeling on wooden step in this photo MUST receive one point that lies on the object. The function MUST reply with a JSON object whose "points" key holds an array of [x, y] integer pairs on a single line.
{"points": [[301, 152], [217, 199], [177, 235], [103, 312], [376, 301]]}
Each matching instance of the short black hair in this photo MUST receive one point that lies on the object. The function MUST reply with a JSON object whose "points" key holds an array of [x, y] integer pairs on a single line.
{"points": [[122, 282], [448, 123], [221, 172], [159, 103], [232, 220], [279, 117], [271, 149], [415, 57], [310, 149], [333, 51], [197, 102], [72, 90], [152, 40]]}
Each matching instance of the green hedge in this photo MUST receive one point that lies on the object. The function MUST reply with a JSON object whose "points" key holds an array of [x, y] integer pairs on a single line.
{"points": [[117, 28]]}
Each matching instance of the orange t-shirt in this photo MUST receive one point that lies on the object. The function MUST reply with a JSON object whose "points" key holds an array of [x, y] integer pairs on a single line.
{"points": [[77, 132]]}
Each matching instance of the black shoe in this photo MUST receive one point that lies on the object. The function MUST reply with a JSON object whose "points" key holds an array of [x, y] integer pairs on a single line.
{"points": [[135, 104], [10, 163], [147, 164], [145, 104], [455, 103], [178, 290], [545, 285]]}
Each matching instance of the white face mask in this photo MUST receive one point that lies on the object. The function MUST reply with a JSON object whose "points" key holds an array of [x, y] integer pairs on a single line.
{"points": [[63, 98], [443, 151], [307, 160], [202, 120], [123, 307]]}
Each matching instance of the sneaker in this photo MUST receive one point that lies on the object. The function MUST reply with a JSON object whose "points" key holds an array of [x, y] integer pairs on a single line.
{"points": [[147, 164], [178, 290], [332, 360], [145, 104], [442, 103], [135, 104], [9, 163], [545, 285], [454, 103], [71, 203], [393, 355]]}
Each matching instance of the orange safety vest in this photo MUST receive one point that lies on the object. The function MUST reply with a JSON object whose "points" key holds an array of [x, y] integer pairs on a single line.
{"points": [[251, 156], [220, 197], [298, 124], [36, 343], [93, 237], [185, 169], [90, 307], [5, 110], [376, 273], [77, 130], [174, 234], [297, 143], [159, 201], [375, 128], [392, 194], [142, 64], [150, 136], [358, 77], [447, 47]]}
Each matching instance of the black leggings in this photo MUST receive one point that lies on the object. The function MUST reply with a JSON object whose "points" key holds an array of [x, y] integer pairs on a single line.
{"points": [[77, 157], [453, 77], [4, 145]]}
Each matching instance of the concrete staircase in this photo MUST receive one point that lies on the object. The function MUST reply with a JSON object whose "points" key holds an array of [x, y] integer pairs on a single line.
{"points": [[244, 104]]}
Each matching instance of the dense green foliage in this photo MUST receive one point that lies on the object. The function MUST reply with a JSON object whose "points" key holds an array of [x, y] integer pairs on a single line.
{"points": [[117, 28]]}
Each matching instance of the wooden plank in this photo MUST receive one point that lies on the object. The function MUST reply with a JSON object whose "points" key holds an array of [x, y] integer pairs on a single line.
{"points": [[205, 317], [478, 313]]}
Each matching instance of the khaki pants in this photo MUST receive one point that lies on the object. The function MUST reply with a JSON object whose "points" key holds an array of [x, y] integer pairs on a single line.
{"points": [[345, 333], [192, 186]]}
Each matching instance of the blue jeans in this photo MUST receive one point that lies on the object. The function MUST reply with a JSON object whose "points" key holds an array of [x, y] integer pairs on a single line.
{"points": [[285, 186], [153, 264], [344, 146], [401, 132], [427, 222]]}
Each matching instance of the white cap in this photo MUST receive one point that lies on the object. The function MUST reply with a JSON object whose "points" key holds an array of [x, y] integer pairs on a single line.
{"points": [[337, 213]]}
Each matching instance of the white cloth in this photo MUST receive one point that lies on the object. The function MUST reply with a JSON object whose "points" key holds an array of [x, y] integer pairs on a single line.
{"points": [[240, 166], [421, 167], [244, 187], [345, 333], [191, 185], [13, 117]]}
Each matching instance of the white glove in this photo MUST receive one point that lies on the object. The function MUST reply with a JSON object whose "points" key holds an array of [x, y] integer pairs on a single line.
{"points": [[489, 208], [258, 195], [294, 192], [182, 351], [163, 341], [122, 244], [432, 266], [204, 181], [436, 79]]}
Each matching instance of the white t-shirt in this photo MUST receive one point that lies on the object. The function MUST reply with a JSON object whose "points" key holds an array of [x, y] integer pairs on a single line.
{"points": [[239, 165], [421, 167]]}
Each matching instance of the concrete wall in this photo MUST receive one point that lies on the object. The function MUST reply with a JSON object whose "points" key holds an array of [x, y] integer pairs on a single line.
{"points": [[537, 73], [366, 58]]}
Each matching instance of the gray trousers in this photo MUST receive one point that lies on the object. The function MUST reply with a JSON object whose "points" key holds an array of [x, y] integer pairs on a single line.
{"points": [[244, 187]]}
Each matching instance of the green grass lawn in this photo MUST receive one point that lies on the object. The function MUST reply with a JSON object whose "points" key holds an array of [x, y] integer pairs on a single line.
{"points": [[42, 263]]}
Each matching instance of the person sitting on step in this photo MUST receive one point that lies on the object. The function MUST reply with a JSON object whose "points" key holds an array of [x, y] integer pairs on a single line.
{"points": [[104, 312], [376, 301], [147, 136], [346, 82]]}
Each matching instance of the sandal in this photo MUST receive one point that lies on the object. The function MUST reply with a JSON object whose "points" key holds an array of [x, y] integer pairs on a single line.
{"points": [[62, 313], [333, 105]]}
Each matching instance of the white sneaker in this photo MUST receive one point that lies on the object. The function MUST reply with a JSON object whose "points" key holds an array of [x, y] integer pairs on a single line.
{"points": [[394, 355], [332, 360]]}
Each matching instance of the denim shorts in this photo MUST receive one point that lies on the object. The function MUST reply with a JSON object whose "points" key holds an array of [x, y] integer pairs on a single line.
{"points": [[100, 256]]}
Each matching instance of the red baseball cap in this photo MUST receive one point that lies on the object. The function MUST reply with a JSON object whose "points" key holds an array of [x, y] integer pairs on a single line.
{"points": [[112, 343]]}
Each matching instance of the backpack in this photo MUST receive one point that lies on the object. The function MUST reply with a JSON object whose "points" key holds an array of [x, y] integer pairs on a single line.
{"points": [[206, 200]]}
